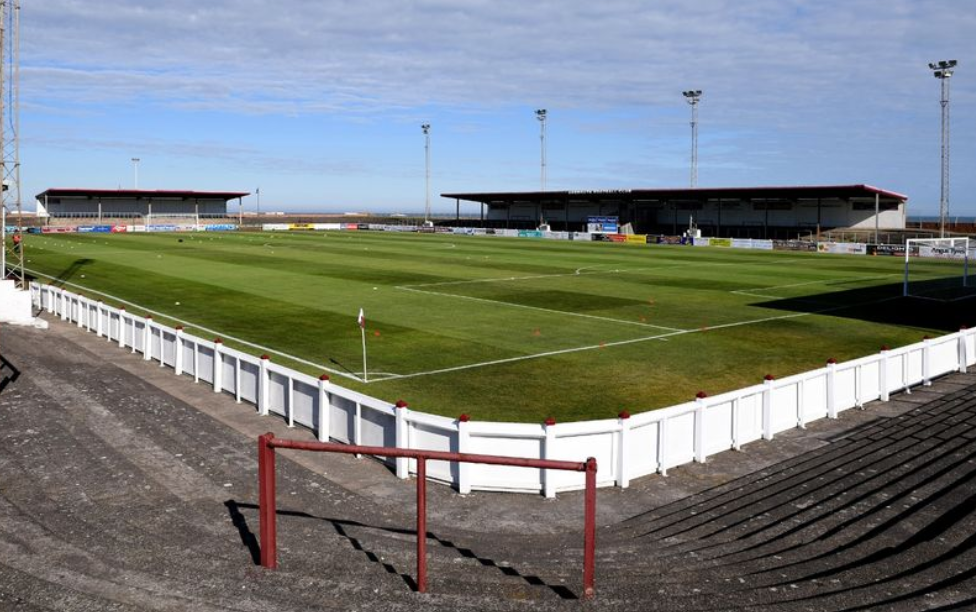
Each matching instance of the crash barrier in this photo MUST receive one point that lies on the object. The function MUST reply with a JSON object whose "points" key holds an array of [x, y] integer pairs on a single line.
{"points": [[267, 516], [629, 446]]}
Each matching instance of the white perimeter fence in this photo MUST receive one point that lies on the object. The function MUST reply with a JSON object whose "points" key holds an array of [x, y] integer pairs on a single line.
{"points": [[626, 447]]}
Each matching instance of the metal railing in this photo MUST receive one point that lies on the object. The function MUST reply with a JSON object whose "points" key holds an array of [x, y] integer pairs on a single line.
{"points": [[267, 515]]}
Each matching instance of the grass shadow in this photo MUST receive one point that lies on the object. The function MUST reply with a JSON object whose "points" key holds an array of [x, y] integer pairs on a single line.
{"points": [[883, 304], [68, 273]]}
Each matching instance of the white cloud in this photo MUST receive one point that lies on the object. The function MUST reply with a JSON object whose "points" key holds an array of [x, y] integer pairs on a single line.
{"points": [[363, 55], [787, 82]]}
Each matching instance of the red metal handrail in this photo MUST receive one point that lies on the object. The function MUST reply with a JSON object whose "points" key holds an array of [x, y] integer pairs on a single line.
{"points": [[266, 494]]}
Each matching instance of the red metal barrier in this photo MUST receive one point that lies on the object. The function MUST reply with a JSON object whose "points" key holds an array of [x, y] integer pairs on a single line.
{"points": [[266, 494]]}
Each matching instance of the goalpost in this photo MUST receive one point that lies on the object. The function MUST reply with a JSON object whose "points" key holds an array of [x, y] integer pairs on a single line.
{"points": [[930, 261]]}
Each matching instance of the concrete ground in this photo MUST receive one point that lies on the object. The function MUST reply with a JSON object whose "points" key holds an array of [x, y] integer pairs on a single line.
{"points": [[125, 487]]}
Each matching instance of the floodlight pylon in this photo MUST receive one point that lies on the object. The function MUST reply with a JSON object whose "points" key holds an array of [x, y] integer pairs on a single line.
{"points": [[11, 255], [943, 70]]}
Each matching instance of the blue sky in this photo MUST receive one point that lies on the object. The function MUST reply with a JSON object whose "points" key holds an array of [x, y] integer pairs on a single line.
{"points": [[320, 103]]}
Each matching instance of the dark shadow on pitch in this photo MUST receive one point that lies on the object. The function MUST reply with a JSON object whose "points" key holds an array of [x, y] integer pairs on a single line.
{"points": [[68, 273], [881, 304]]}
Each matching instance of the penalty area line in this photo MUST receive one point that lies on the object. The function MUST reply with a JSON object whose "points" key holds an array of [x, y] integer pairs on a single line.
{"points": [[659, 337], [539, 309]]}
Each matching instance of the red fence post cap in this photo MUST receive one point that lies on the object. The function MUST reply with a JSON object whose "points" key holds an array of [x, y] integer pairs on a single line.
{"points": [[831, 361], [179, 328], [122, 308], [265, 357], [703, 395], [885, 347], [769, 377], [324, 377], [149, 317], [623, 415], [550, 421], [926, 337], [401, 404], [464, 418], [218, 341]]}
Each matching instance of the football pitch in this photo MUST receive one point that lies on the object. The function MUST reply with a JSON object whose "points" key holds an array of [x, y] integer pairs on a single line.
{"points": [[508, 329]]}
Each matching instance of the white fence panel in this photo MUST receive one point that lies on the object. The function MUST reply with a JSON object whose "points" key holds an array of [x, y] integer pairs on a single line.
{"points": [[913, 365], [277, 393], [680, 442], [943, 356], [750, 417], [188, 350], [784, 403], [641, 450], [508, 440], [718, 432], [305, 398], [155, 343], [168, 352], [430, 432], [114, 325], [625, 448], [139, 337], [378, 426], [578, 442], [248, 373], [205, 363], [815, 396], [229, 373], [342, 423], [845, 388], [869, 385]]}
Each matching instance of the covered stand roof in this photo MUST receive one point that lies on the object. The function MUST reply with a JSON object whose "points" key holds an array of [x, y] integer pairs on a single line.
{"points": [[697, 193], [160, 194]]}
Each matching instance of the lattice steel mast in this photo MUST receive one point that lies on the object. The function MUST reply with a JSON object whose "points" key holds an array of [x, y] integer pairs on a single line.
{"points": [[693, 97], [13, 252], [942, 71]]}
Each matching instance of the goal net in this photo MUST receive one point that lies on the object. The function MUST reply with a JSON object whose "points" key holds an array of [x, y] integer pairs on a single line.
{"points": [[939, 268]]}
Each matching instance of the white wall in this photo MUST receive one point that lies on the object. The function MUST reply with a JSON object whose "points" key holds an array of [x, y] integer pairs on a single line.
{"points": [[625, 448]]}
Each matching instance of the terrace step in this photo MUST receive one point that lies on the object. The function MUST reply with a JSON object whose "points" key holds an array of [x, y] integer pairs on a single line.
{"points": [[110, 502]]}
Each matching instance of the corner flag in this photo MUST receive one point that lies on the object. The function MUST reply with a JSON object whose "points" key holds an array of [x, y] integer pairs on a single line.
{"points": [[362, 331]]}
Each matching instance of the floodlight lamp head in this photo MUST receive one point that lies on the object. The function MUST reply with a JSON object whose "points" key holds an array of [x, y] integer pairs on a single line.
{"points": [[541, 114], [426, 128]]}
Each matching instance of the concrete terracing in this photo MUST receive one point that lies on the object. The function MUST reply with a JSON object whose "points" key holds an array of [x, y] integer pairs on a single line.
{"points": [[124, 487]]}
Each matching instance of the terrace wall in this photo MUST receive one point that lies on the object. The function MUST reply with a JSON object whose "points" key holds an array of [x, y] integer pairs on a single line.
{"points": [[627, 447]]}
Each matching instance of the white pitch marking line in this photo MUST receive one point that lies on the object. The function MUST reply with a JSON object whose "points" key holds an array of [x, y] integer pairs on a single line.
{"points": [[208, 330], [660, 337], [816, 282], [504, 279], [583, 272], [540, 309]]}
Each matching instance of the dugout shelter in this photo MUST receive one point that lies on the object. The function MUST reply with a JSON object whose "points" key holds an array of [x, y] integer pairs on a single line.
{"points": [[738, 212]]}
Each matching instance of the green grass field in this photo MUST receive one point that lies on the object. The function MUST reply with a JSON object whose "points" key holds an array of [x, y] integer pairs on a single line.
{"points": [[512, 329]]}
